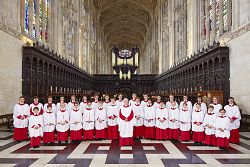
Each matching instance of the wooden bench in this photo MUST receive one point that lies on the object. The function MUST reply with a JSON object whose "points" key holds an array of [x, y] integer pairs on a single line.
{"points": [[7, 120]]}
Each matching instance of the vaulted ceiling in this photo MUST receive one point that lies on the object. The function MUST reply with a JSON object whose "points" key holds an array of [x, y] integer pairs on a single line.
{"points": [[124, 23]]}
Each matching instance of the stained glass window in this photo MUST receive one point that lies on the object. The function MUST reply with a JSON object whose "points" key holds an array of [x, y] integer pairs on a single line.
{"points": [[26, 16], [217, 20], [40, 19], [46, 20], [225, 19], [34, 19], [204, 21]]}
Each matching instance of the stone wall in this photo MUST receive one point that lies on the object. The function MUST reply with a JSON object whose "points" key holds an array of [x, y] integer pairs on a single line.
{"points": [[240, 70], [10, 71]]}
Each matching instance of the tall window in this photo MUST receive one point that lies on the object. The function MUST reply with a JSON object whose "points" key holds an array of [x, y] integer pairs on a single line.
{"points": [[34, 19], [225, 11], [26, 16], [217, 20], [38, 18]]}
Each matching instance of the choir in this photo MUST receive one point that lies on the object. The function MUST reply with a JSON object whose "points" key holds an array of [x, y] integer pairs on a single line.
{"points": [[125, 120]]}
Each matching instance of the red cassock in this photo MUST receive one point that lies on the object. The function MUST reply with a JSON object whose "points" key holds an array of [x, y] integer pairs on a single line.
{"points": [[139, 115], [126, 127], [100, 122], [88, 124], [149, 122], [112, 115], [20, 125]]}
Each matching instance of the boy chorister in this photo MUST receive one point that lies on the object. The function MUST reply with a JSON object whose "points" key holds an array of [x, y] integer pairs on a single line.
{"points": [[36, 104], [62, 102], [185, 123], [70, 105], [161, 126], [88, 122], [83, 104], [112, 115], [119, 101], [217, 106], [50, 102], [171, 100], [222, 125], [100, 121], [209, 124], [149, 121], [35, 127], [49, 124], [20, 117], [174, 117], [62, 125], [233, 113], [145, 100], [75, 121], [95, 102], [106, 102], [203, 105], [132, 101], [139, 115], [197, 127], [185, 100], [157, 102]]}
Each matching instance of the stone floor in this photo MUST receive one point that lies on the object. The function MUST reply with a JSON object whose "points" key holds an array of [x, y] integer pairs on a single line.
{"points": [[144, 153]]}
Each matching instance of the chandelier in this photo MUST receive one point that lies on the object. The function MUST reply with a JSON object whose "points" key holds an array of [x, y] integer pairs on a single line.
{"points": [[125, 62]]}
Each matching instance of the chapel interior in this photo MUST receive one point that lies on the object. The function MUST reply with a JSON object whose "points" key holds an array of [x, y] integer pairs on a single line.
{"points": [[155, 47]]}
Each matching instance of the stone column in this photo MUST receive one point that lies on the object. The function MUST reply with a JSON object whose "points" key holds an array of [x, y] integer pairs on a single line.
{"points": [[201, 16], [30, 17], [37, 20], [221, 17], [229, 15]]}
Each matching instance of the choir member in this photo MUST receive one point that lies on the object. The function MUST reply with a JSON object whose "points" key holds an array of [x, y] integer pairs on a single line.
{"points": [[35, 126], [217, 106], [49, 124], [222, 133], [233, 112], [174, 117], [145, 100], [149, 121], [126, 123], [88, 122], [36, 104], [197, 127], [161, 125], [62, 102], [106, 102], [75, 120], [83, 104], [100, 121], [70, 105], [132, 101], [171, 100], [209, 124], [157, 102], [203, 105], [112, 115], [62, 126], [139, 115], [119, 101], [185, 123], [50, 102], [96, 101], [185, 100], [20, 117]]}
